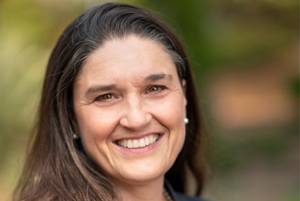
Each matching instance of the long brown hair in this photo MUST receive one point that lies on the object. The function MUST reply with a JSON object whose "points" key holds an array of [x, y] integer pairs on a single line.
{"points": [[57, 167]]}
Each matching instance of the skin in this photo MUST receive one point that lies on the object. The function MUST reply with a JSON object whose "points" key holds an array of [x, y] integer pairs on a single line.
{"points": [[129, 88]]}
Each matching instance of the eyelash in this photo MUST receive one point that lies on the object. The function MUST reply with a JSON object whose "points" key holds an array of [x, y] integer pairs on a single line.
{"points": [[100, 98], [160, 88]]}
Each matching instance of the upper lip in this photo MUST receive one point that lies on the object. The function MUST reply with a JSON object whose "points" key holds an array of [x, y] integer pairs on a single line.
{"points": [[138, 136]]}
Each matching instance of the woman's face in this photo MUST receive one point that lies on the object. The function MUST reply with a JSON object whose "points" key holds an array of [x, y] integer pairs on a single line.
{"points": [[130, 109]]}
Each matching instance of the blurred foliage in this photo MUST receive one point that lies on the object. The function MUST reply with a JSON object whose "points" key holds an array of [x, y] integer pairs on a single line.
{"points": [[260, 144], [294, 86], [219, 35], [229, 31]]}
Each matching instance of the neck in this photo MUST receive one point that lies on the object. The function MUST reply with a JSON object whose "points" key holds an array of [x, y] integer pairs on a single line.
{"points": [[150, 191]]}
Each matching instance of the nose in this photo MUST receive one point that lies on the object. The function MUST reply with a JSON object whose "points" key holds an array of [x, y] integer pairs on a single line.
{"points": [[135, 116]]}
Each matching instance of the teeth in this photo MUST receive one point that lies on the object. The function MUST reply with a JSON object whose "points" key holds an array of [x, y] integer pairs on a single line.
{"points": [[134, 143], [142, 142], [129, 143], [147, 141], [151, 139]]}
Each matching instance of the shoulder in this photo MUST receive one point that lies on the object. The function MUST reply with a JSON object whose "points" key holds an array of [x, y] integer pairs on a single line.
{"points": [[182, 197], [179, 196]]}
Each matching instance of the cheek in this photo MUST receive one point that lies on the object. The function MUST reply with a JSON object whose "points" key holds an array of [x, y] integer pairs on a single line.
{"points": [[94, 126], [91, 119], [171, 112], [174, 120]]}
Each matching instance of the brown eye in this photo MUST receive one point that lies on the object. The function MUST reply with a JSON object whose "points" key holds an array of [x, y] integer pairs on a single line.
{"points": [[106, 97], [153, 89], [156, 89]]}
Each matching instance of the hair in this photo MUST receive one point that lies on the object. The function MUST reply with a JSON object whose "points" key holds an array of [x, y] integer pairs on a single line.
{"points": [[57, 167]]}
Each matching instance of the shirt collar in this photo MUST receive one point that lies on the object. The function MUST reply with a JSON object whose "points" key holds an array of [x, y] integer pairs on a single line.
{"points": [[171, 191]]}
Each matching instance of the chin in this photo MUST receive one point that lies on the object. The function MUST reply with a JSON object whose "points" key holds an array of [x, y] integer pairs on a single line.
{"points": [[141, 173]]}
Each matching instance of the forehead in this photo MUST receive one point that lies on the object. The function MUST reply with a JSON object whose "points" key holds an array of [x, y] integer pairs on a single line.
{"points": [[131, 57]]}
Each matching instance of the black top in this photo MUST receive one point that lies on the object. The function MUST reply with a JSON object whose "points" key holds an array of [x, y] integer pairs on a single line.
{"points": [[179, 196]]}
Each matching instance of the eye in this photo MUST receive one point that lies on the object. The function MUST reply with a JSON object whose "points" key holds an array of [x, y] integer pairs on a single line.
{"points": [[105, 97], [155, 89]]}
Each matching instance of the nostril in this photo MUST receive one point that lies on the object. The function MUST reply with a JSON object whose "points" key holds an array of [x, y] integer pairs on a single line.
{"points": [[148, 117], [124, 122], [135, 121]]}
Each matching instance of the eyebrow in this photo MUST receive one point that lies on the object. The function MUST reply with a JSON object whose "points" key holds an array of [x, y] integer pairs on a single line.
{"points": [[100, 88], [155, 77], [149, 78]]}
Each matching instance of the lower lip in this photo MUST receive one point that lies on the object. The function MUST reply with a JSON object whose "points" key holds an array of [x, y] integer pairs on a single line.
{"points": [[142, 149]]}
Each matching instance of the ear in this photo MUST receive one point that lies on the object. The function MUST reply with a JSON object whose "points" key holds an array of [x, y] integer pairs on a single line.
{"points": [[74, 126], [183, 83]]}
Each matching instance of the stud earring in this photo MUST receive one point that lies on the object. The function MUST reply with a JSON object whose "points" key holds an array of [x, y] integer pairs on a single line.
{"points": [[186, 120], [75, 137]]}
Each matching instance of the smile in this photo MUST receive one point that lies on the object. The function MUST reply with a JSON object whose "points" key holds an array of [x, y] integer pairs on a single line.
{"points": [[138, 143]]}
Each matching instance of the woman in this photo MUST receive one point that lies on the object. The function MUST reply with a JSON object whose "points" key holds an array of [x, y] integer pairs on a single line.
{"points": [[119, 117]]}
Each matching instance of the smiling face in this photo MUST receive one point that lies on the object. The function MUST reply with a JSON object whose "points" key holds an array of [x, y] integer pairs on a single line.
{"points": [[130, 109]]}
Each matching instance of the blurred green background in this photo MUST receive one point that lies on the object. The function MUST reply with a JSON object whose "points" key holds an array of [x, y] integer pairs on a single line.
{"points": [[245, 56]]}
